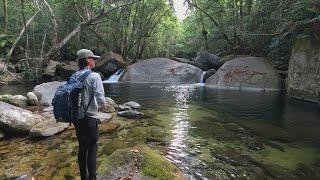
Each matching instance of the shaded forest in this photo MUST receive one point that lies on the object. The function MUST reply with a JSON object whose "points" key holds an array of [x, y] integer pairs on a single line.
{"points": [[44, 30]]}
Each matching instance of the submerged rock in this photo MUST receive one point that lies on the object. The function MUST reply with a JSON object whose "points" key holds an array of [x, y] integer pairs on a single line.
{"points": [[246, 73], [131, 114], [19, 100], [109, 127], [32, 99], [133, 105], [16, 120], [47, 128], [138, 163], [45, 92], [161, 70], [124, 108]]}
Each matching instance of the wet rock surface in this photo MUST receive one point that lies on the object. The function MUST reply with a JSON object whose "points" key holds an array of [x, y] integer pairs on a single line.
{"points": [[131, 114], [132, 104]]}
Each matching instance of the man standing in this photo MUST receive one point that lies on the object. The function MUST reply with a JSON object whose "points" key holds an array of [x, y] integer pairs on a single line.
{"points": [[92, 101]]}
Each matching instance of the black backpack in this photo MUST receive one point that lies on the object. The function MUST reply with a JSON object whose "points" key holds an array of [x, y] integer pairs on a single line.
{"points": [[67, 104]]}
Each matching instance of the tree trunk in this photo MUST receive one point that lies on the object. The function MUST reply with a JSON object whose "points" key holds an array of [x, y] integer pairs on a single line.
{"points": [[5, 13], [54, 24]]}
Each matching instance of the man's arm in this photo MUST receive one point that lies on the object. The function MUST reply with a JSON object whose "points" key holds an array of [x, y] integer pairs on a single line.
{"points": [[99, 92]]}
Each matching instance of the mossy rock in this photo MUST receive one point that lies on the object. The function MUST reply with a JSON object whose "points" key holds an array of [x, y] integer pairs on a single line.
{"points": [[7, 98], [109, 127], [143, 161], [113, 145]]}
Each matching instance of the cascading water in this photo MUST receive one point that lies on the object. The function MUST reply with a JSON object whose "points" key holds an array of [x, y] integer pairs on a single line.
{"points": [[115, 77], [201, 81]]}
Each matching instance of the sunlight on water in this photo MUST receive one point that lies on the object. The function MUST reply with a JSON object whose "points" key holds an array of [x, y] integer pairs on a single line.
{"points": [[177, 150]]}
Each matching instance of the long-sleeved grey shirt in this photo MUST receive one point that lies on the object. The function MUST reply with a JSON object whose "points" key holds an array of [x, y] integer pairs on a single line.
{"points": [[93, 85]]}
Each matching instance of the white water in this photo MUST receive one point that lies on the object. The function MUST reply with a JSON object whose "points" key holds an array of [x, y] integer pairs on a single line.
{"points": [[201, 81], [114, 78]]}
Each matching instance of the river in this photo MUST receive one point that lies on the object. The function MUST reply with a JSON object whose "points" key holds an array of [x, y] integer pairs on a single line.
{"points": [[207, 133]]}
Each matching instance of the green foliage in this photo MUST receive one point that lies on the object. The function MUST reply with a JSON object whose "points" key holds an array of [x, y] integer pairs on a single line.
{"points": [[6, 42]]}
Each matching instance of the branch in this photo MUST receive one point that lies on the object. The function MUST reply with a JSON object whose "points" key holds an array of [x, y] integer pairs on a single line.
{"points": [[20, 35], [54, 23], [74, 32]]}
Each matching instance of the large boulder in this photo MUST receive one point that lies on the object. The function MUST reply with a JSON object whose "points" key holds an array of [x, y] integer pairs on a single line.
{"points": [[48, 127], [209, 73], [50, 70], [109, 63], [206, 61], [254, 73], [16, 120], [304, 70], [64, 70], [45, 92], [161, 70]]}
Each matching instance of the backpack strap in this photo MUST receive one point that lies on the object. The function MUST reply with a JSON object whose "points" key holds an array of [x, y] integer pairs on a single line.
{"points": [[83, 76]]}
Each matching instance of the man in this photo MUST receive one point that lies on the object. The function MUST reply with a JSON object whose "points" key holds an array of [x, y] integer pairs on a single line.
{"points": [[92, 100]]}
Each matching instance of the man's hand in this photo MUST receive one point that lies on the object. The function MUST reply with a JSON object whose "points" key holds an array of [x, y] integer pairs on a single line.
{"points": [[102, 108]]}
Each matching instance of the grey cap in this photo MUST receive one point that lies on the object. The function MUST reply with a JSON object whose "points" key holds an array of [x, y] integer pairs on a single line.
{"points": [[85, 53]]}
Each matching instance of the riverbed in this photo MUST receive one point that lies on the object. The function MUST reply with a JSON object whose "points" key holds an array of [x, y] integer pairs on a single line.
{"points": [[207, 133]]}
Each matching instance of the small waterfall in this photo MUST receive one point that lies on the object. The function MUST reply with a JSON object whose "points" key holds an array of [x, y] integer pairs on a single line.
{"points": [[202, 77], [114, 78]]}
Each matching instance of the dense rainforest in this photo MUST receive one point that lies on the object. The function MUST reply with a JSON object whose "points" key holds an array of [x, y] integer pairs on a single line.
{"points": [[44, 30]]}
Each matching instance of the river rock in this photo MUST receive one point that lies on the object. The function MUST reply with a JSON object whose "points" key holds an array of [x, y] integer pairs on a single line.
{"points": [[32, 99], [131, 114], [19, 100], [304, 70], [47, 128], [161, 70], [64, 70], [206, 61], [16, 120], [109, 127], [45, 92], [7, 98], [123, 108], [254, 73], [145, 163], [133, 105], [104, 117], [109, 63], [111, 102], [109, 108], [209, 73]]}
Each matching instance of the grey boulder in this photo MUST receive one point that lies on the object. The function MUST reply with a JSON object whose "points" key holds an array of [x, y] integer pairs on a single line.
{"points": [[161, 70], [47, 128], [45, 92], [250, 73], [16, 120], [206, 61], [124, 108]]}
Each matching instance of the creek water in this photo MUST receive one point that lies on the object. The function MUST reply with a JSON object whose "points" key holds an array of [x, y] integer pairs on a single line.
{"points": [[206, 133]]}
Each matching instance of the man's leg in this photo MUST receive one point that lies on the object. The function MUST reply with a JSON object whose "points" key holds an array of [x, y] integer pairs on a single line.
{"points": [[92, 148], [83, 150]]}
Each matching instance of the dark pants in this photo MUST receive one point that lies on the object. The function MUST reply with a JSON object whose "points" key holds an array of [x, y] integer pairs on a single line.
{"points": [[87, 135]]}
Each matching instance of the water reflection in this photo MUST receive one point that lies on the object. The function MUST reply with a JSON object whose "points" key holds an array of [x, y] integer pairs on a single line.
{"points": [[177, 149]]}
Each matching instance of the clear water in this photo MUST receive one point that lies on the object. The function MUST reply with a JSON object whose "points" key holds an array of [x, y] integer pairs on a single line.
{"points": [[207, 133]]}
